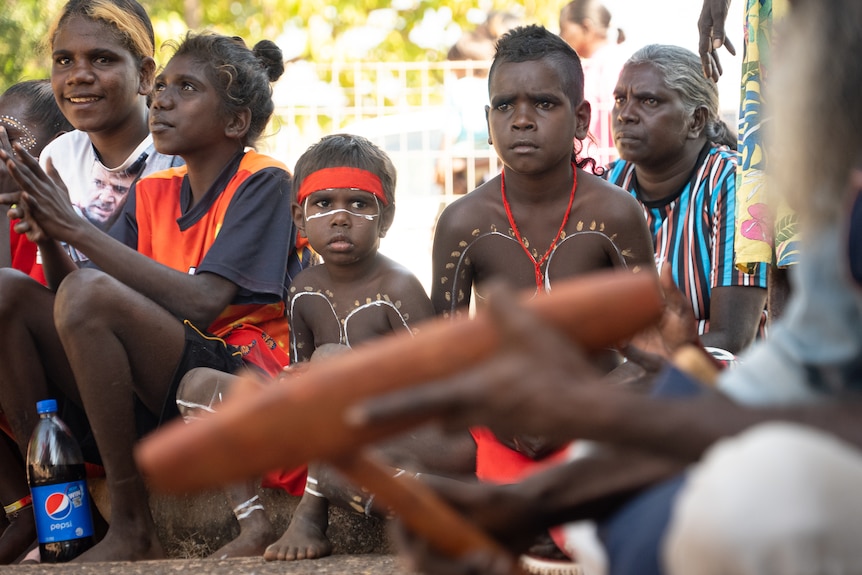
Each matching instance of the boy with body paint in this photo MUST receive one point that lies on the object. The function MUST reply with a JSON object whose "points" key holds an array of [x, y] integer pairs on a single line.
{"points": [[543, 219]]}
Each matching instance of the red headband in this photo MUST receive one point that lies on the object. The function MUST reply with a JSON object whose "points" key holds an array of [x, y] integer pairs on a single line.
{"points": [[342, 177]]}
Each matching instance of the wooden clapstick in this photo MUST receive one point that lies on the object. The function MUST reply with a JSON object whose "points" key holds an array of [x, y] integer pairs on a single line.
{"points": [[286, 424]]}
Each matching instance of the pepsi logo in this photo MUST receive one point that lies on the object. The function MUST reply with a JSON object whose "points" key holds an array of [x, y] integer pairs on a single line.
{"points": [[58, 506]]}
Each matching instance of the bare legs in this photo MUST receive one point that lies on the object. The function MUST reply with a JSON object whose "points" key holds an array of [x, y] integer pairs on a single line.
{"points": [[18, 531], [305, 537], [31, 356], [424, 450], [200, 392], [119, 345], [778, 292]]}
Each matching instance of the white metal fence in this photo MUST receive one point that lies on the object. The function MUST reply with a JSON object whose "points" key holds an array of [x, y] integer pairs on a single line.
{"points": [[401, 106], [428, 116]]}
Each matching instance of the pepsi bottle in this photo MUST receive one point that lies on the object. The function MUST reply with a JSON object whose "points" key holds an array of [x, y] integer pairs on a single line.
{"points": [[57, 477]]}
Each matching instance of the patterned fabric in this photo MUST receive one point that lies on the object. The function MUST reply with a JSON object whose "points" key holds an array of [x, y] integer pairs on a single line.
{"points": [[761, 229], [693, 230], [98, 193]]}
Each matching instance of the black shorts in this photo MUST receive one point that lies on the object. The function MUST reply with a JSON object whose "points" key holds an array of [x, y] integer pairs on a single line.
{"points": [[201, 350]]}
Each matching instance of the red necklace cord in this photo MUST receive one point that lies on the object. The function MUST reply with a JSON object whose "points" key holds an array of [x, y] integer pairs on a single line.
{"points": [[540, 277]]}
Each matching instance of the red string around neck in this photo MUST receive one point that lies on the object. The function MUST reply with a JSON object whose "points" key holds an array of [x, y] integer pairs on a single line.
{"points": [[540, 277]]}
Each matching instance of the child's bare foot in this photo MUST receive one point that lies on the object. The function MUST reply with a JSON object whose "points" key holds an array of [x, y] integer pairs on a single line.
{"points": [[256, 532], [305, 537], [302, 540], [17, 537], [125, 545]]}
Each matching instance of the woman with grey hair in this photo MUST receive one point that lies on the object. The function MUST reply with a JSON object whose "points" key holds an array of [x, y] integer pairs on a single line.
{"points": [[677, 159]]}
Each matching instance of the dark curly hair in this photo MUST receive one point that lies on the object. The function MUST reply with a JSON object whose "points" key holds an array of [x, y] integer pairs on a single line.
{"points": [[533, 42], [242, 76]]}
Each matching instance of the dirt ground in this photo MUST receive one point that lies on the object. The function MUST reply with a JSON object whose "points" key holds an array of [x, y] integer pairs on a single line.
{"points": [[369, 564]]}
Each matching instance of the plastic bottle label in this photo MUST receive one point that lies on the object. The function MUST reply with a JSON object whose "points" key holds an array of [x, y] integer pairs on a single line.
{"points": [[62, 511]]}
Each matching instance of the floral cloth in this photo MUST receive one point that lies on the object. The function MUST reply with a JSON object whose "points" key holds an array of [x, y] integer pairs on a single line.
{"points": [[762, 234]]}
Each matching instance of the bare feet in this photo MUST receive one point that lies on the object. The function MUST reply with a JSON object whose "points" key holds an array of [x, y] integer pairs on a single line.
{"points": [[305, 537], [256, 532], [128, 545], [17, 537]]}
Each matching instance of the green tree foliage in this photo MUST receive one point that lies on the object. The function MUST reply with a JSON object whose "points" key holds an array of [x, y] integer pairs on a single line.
{"points": [[318, 31], [23, 26]]}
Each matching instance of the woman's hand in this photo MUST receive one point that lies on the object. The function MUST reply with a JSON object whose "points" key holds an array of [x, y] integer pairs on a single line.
{"points": [[710, 26], [653, 347]]}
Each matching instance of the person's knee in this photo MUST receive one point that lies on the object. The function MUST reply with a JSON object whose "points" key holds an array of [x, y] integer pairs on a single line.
{"points": [[82, 298], [201, 390], [766, 494], [15, 287]]}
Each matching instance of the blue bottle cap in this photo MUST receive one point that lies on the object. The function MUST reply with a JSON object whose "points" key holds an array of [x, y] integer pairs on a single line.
{"points": [[46, 406]]}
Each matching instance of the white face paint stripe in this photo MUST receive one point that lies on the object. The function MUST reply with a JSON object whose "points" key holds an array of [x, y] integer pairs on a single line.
{"points": [[245, 509], [191, 405], [311, 491], [346, 211], [247, 512]]}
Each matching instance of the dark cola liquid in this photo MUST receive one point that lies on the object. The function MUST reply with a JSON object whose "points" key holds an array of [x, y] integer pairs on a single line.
{"points": [[64, 551], [61, 502]]}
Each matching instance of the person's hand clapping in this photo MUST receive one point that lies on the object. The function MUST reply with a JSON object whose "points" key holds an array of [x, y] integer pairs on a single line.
{"points": [[654, 347]]}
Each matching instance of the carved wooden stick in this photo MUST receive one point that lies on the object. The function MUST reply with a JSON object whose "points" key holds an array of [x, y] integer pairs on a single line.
{"points": [[286, 424]]}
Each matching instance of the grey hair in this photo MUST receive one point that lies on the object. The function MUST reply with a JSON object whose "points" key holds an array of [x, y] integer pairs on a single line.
{"points": [[683, 74]]}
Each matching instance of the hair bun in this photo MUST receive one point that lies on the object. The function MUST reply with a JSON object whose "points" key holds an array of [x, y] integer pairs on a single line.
{"points": [[271, 56]]}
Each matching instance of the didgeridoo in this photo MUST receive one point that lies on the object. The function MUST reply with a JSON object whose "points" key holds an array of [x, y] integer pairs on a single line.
{"points": [[301, 419], [286, 424]]}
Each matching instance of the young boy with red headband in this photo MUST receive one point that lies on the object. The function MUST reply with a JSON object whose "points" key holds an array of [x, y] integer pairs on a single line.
{"points": [[344, 205]]}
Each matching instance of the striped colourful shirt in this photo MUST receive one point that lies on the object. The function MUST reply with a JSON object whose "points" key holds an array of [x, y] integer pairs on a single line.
{"points": [[693, 230]]}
